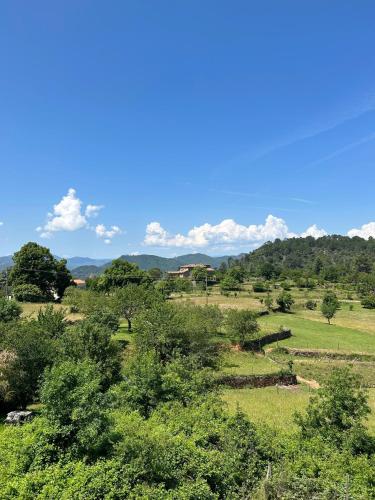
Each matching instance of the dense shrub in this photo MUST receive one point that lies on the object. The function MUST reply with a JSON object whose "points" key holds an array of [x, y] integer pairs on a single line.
{"points": [[369, 301], [28, 293], [260, 287], [311, 305], [9, 310]]}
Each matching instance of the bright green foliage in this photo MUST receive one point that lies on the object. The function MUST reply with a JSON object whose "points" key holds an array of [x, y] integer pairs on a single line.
{"points": [[268, 302], [119, 274], [32, 350], [149, 382], [337, 412], [317, 470], [330, 305], [90, 340], [35, 265], [74, 410], [132, 299], [172, 330], [229, 283], [52, 321], [285, 301], [106, 318], [242, 325], [10, 310]]}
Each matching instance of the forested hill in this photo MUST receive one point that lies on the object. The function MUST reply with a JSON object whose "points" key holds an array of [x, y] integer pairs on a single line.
{"points": [[330, 257], [147, 262]]}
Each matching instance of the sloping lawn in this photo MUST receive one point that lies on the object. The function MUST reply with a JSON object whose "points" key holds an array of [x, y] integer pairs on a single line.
{"points": [[310, 334]]}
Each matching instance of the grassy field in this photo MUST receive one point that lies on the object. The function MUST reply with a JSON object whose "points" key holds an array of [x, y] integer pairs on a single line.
{"points": [[246, 363], [311, 334], [30, 309], [276, 406]]}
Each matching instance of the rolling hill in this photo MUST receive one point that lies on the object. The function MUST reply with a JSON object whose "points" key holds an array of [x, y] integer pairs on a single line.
{"points": [[146, 262]]}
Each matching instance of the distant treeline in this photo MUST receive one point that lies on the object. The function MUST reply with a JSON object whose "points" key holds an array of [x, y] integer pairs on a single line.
{"points": [[331, 258]]}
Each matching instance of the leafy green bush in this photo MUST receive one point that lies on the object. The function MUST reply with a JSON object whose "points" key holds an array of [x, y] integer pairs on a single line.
{"points": [[285, 301], [28, 293], [260, 287], [368, 302], [311, 305], [9, 310]]}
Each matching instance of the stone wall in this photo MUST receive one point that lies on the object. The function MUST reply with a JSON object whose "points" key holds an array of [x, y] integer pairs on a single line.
{"points": [[258, 344], [254, 381]]}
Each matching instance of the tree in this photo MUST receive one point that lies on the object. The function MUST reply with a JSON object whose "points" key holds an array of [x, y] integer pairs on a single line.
{"points": [[32, 351], [268, 302], [155, 273], [329, 306], [52, 321], [119, 274], [130, 300], [200, 274], [35, 265], [93, 341], [337, 412], [10, 310], [63, 277], [242, 325], [229, 283], [285, 301], [74, 409]]}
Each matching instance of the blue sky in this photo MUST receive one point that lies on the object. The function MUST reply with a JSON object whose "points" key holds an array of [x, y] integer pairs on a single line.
{"points": [[244, 120]]}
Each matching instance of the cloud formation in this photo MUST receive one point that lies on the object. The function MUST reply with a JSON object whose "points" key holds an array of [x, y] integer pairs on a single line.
{"points": [[68, 215], [226, 232], [314, 231], [107, 233], [364, 231]]}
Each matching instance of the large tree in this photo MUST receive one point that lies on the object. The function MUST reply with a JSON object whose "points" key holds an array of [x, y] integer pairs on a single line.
{"points": [[120, 273], [35, 265]]}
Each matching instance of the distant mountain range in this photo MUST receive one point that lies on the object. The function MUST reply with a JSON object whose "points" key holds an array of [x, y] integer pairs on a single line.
{"points": [[83, 267], [146, 262]]}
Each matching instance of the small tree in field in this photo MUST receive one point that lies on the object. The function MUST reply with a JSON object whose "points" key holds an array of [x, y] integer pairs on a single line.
{"points": [[329, 306], [337, 411], [285, 301], [242, 325], [268, 302]]}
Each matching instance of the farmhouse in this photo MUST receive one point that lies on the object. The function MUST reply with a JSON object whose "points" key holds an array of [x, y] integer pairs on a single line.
{"points": [[186, 271], [80, 283]]}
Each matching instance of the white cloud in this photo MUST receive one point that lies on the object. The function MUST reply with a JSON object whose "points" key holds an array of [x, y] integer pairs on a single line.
{"points": [[314, 231], [107, 233], [70, 215], [93, 210], [66, 216], [1, 223], [364, 231], [225, 233]]}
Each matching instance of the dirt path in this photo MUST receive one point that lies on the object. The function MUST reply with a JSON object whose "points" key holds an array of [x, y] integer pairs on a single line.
{"points": [[311, 383]]}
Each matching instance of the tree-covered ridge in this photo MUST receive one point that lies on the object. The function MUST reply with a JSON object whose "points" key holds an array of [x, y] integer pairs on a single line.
{"points": [[330, 257]]}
